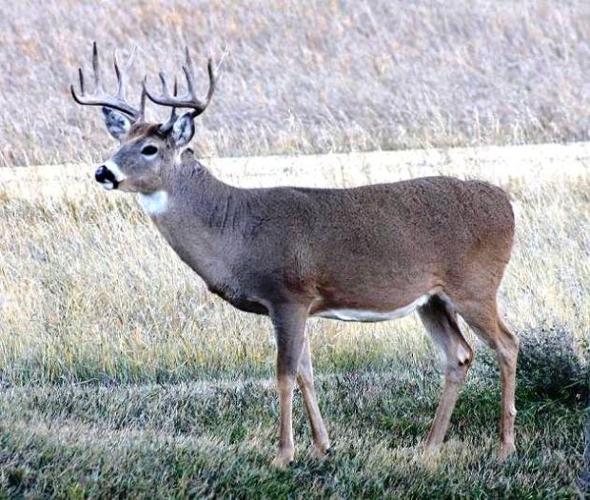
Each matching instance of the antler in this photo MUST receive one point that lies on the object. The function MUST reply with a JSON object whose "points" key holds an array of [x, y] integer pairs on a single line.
{"points": [[189, 100], [100, 97], [166, 127]]}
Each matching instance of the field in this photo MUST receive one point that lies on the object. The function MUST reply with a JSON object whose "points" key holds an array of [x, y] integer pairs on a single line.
{"points": [[120, 375], [123, 375], [308, 77]]}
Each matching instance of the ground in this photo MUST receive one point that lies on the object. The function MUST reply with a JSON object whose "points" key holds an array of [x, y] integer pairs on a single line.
{"points": [[122, 375], [216, 438]]}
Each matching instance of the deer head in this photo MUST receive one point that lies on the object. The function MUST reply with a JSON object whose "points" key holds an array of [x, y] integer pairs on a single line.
{"points": [[146, 149]]}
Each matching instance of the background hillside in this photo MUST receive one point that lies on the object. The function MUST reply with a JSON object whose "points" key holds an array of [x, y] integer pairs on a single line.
{"points": [[308, 76]]}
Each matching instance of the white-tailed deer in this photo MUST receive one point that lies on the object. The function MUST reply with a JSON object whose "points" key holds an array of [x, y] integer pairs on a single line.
{"points": [[437, 245]]}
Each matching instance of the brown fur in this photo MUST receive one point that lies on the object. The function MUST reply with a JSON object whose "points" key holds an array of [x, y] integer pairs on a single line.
{"points": [[291, 253], [294, 252]]}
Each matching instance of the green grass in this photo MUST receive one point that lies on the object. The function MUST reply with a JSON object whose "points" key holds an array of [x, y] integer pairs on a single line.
{"points": [[132, 380], [214, 438]]}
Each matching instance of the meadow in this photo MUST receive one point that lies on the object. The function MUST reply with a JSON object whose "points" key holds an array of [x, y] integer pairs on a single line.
{"points": [[121, 376], [307, 77]]}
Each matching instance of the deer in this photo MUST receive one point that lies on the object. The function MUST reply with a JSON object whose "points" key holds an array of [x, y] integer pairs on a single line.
{"points": [[436, 245]]}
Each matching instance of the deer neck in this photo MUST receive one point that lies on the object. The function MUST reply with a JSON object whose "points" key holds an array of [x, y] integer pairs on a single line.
{"points": [[199, 216]]}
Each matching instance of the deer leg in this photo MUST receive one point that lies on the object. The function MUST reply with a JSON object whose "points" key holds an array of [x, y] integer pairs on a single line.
{"points": [[305, 380], [442, 326], [507, 354], [289, 324], [483, 318]]}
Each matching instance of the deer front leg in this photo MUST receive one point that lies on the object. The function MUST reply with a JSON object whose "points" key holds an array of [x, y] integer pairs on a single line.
{"points": [[289, 324]]}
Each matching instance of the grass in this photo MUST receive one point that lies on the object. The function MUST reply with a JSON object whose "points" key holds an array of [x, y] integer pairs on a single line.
{"points": [[122, 376], [213, 439], [304, 77]]}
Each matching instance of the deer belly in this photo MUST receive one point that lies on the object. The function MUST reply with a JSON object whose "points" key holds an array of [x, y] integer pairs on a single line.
{"points": [[367, 315]]}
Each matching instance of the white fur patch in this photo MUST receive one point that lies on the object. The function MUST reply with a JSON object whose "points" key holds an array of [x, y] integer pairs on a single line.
{"points": [[114, 168], [462, 354], [155, 203], [370, 316], [108, 185]]}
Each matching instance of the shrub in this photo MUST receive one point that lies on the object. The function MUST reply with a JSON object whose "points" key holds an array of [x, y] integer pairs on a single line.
{"points": [[550, 365]]}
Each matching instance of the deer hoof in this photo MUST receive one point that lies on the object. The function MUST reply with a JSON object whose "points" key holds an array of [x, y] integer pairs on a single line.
{"points": [[506, 449], [282, 461], [321, 452]]}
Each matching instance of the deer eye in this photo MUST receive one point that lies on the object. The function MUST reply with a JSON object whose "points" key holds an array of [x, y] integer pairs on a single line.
{"points": [[149, 150]]}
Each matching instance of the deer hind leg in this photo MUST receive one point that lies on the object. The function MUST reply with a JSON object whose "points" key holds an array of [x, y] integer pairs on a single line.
{"points": [[289, 324], [483, 318], [441, 324], [321, 441]]}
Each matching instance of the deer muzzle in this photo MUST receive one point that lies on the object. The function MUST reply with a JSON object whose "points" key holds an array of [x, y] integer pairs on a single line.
{"points": [[105, 177], [109, 175]]}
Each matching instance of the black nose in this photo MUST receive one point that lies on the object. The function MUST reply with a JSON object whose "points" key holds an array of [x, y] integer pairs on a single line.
{"points": [[103, 175]]}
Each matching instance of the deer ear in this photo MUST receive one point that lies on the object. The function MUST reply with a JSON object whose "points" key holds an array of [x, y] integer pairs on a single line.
{"points": [[183, 130], [117, 123]]}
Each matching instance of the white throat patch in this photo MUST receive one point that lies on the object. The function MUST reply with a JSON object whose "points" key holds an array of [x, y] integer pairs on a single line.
{"points": [[155, 203]]}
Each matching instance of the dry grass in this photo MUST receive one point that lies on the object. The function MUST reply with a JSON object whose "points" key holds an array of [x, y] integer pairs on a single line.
{"points": [[128, 378], [79, 304], [309, 76]]}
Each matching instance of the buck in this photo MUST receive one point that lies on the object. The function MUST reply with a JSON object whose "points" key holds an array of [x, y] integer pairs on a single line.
{"points": [[437, 245]]}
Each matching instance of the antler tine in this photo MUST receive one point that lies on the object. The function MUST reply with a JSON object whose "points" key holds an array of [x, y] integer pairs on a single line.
{"points": [[212, 80], [120, 82], [173, 112], [189, 72], [165, 127], [190, 99], [122, 75], [141, 114], [100, 97], [190, 75], [189, 83], [164, 85], [81, 76], [96, 68]]}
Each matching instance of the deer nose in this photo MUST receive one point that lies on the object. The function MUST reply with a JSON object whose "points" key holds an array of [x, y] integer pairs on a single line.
{"points": [[106, 178], [101, 173]]}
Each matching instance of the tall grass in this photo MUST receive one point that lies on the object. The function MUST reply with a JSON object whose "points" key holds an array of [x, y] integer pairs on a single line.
{"points": [[91, 291], [311, 76], [121, 376]]}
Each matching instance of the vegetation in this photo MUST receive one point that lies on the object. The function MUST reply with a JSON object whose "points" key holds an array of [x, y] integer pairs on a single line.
{"points": [[120, 375], [217, 439], [123, 375], [303, 77]]}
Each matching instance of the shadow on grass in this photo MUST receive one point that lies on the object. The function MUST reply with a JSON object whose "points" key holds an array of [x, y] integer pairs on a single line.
{"points": [[550, 366], [585, 474]]}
